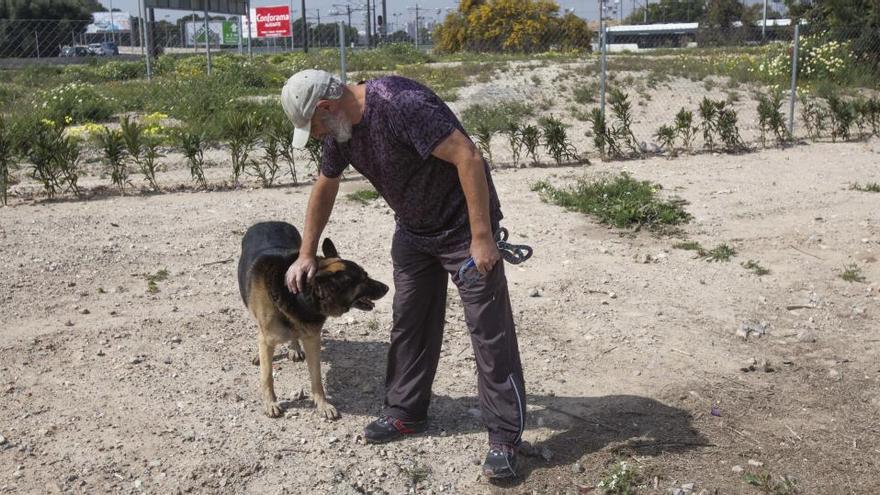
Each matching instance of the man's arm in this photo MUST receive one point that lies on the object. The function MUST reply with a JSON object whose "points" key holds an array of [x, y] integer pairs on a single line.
{"points": [[458, 150], [321, 202]]}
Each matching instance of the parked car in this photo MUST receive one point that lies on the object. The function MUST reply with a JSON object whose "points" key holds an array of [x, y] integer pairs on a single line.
{"points": [[75, 51], [104, 48], [109, 48]]}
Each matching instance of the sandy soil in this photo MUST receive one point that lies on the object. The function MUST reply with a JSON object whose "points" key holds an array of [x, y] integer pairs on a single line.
{"points": [[627, 343]]}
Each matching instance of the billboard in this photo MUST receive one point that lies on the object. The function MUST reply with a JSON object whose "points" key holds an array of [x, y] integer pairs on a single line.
{"points": [[273, 22], [219, 32], [109, 22]]}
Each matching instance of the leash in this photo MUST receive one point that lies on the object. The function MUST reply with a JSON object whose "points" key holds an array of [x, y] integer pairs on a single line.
{"points": [[511, 253]]}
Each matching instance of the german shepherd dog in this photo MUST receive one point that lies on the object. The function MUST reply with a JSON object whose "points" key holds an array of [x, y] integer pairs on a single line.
{"points": [[267, 251]]}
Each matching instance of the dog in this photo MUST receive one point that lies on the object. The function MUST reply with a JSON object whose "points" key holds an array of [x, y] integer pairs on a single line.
{"points": [[267, 251]]}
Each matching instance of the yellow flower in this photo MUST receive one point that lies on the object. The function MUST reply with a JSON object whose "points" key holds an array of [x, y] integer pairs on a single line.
{"points": [[68, 119], [48, 123]]}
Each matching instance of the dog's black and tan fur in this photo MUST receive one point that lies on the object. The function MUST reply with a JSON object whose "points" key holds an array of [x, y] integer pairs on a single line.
{"points": [[267, 250]]}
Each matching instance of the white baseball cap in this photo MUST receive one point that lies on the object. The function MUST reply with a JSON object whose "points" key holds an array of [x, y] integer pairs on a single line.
{"points": [[300, 97]]}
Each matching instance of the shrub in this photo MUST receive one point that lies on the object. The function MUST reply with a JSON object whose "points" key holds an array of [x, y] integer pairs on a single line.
{"points": [[622, 109], [73, 103], [531, 138], [620, 201], [666, 136], [7, 156], [192, 145], [728, 130], [556, 140], [514, 138], [241, 132], [685, 128], [604, 140], [112, 145], [814, 116], [770, 118], [267, 170], [495, 118], [709, 123], [315, 149], [54, 158], [483, 135], [842, 117]]}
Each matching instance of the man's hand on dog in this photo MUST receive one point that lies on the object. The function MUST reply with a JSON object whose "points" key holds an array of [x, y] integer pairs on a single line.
{"points": [[301, 271], [484, 251]]}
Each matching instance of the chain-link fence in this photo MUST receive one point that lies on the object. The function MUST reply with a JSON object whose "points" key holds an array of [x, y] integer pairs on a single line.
{"points": [[552, 92]]}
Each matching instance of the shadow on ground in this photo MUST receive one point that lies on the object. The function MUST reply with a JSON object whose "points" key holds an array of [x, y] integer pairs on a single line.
{"points": [[580, 425]]}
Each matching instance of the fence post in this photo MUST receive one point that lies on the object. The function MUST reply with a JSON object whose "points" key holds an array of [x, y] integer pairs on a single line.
{"points": [[207, 40], [148, 43], [37, 38], [603, 42], [342, 69], [794, 65]]}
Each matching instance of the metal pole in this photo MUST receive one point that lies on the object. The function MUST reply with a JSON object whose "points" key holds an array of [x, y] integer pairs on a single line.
{"points": [[250, 51], [646, 11], [342, 69], [148, 43], [141, 25], [37, 37], [318, 29], [602, 69], [384, 22], [369, 26], [291, 25], [417, 26], [305, 29], [207, 40], [240, 44], [794, 64], [764, 24]]}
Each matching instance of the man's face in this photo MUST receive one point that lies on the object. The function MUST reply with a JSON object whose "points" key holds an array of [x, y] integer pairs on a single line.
{"points": [[330, 121]]}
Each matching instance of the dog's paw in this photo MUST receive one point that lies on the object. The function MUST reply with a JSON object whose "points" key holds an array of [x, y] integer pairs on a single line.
{"points": [[272, 409], [327, 410], [256, 360], [295, 353]]}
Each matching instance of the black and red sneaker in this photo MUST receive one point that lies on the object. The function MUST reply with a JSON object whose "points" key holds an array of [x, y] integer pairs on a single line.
{"points": [[387, 428]]}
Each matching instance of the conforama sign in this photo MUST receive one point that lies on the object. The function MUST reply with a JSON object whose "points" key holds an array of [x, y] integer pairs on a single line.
{"points": [[273, 22]]}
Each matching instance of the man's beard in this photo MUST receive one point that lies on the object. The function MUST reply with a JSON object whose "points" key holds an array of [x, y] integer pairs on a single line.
{"points": [[339, 126]]}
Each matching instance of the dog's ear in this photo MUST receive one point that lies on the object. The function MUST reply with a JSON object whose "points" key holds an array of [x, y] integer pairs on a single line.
{"points": [[329, 249]]}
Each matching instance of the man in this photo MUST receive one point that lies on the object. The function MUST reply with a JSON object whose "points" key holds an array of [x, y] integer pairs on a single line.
{"points": [[411, 147]]}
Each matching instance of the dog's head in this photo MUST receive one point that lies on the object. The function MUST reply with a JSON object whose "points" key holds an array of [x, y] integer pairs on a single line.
{"points": [[340, 285]]}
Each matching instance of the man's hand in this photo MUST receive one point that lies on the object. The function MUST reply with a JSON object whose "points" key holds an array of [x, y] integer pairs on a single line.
{"points": [[484, 251], [301, 271]]}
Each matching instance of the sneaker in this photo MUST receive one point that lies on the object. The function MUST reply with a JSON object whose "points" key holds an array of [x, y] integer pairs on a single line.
{"points": [[500, 462], [388, 428]]}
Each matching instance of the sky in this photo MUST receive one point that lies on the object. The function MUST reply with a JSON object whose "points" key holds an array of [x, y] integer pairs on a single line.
{"points": [[404, 8]]}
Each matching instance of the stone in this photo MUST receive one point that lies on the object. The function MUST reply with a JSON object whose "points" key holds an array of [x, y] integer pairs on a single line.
{"points": [[534, 292], [833, 374], [749, 365], [688, 487], [84, 311], [2, 440], [138, 484], [577, 468], [68, 323], [737, 469], [546, 453], [176, 339], [755, 463], [806, 335]]}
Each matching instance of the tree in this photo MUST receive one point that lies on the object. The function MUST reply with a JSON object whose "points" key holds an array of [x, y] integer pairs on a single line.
{"points": [[510, 26], [26, 20]]}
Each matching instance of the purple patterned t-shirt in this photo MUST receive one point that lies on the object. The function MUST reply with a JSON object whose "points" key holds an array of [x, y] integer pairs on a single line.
{"points": [[391, 146]]}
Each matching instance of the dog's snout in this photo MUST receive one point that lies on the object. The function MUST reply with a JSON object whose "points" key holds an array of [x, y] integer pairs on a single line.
{"points": [[378, 289]]}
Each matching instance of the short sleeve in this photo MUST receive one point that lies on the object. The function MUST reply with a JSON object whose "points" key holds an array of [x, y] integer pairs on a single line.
{"points": [[332, 161], [422, 120]]}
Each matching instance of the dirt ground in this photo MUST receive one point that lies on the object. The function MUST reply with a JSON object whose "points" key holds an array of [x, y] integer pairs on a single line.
{"points": [[627, 343]]}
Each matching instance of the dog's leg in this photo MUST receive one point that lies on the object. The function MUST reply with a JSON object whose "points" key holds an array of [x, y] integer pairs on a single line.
{"points": [[312, 345], [267, 384], [295, 351]]}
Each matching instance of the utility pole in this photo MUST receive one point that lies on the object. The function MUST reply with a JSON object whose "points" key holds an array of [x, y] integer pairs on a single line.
{"points": [[384, 22], [764, 24], [646, 11], [416, 8], [369, 26], [305, 29], [207, 40]]}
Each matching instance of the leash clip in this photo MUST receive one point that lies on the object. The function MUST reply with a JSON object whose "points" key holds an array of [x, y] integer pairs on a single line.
{"points": [[511, 253]]}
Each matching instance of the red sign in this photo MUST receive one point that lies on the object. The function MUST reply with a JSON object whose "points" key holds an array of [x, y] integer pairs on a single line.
{"points": [[273, 22]]}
